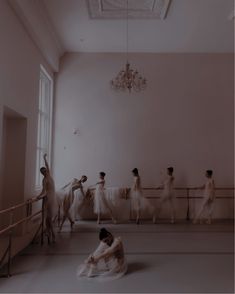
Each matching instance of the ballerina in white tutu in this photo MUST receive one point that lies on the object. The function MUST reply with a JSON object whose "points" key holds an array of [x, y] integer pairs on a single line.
{"points": [[167, 193], [101, 205], [138, 201], [208, 201], [107, 262], [65, 198]]}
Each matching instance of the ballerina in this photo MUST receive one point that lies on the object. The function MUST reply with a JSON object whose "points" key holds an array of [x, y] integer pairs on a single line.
{"points": [[101, 205], [138, 201], [65, 197], [168, 193], [48, 189], [208, 201], [107, 262]]}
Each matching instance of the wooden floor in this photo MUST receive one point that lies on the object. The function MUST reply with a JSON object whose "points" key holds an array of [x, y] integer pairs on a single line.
{"points": [[162, 258]]}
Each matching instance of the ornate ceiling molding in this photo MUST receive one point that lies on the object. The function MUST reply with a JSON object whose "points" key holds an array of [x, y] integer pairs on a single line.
{"points": [[116, 9]]}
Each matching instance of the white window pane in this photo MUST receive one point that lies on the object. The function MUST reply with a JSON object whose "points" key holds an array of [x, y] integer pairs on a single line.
{"points": [[44, 122]]}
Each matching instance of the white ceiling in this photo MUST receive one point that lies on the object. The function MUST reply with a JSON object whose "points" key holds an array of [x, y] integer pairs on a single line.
{"points": [[190, 26]]}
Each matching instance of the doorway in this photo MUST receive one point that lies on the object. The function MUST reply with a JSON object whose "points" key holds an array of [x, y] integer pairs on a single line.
{"points": [[13, 160]]}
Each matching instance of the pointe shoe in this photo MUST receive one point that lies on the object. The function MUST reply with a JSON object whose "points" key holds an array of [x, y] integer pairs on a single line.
{"points": [[90, 273]]}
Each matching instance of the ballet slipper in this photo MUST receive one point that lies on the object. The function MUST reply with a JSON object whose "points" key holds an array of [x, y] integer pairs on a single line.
{"points": [[91, 272]]}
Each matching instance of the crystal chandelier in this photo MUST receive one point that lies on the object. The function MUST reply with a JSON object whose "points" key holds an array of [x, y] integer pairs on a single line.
{"points": [[128, 79]]}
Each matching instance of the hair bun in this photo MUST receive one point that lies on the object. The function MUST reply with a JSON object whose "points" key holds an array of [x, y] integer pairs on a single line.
{"points": [[104, 234]]}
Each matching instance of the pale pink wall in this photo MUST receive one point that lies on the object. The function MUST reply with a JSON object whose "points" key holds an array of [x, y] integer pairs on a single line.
{"points": [[183, 119], [19, 84]]}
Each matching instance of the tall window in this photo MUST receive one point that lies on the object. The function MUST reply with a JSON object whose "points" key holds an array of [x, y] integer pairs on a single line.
{"points": [[44, 121]]}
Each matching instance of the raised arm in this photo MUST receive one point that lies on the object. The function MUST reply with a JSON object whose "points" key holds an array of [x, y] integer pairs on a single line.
{"points": [[46, 163]]}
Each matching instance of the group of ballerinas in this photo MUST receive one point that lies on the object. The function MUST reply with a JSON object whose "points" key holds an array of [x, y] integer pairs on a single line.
{"points": [[139, 203], [108, 260], [64, 197]]}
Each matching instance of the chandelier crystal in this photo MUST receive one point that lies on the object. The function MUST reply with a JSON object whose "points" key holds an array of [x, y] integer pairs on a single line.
{"points": [[128, 79]]}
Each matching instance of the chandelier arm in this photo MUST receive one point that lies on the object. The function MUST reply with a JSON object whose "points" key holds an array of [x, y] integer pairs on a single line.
{"points": [[127, 31]]}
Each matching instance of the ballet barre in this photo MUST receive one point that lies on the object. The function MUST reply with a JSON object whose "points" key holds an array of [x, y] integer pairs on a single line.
{"points": [[12, 225], [187, 190], [188, 197]]}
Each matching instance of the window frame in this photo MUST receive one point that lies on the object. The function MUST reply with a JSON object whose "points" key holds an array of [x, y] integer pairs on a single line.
{"points": [[49, 116]]}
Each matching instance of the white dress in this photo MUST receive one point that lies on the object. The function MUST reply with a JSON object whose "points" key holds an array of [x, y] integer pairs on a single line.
{"points": [[209, 191], [65, 197], [100, 202], [116, 197], [168, 189], [111, 267], [208, 200], [138, 201]]}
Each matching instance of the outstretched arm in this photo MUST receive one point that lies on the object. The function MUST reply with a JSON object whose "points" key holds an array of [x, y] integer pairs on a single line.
{"points": [[65, 186]]}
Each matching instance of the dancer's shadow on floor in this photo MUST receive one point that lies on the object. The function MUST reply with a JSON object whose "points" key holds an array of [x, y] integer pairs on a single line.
{"points": [[136, 267]]}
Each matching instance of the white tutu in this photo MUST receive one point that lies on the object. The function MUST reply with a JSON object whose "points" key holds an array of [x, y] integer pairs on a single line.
{"points": [[209, 191], [139, 202], [115, 196], [168, 189], [77, 204], [101, 205]]}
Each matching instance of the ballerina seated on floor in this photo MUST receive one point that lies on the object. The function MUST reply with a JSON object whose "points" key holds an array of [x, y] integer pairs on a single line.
{"points": [[108, 260]]}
